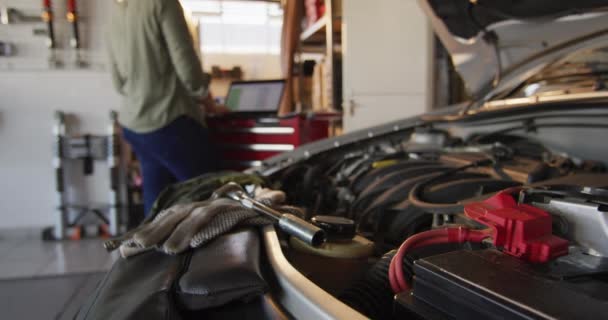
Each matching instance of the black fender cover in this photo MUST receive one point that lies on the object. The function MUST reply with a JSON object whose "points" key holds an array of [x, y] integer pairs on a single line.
{"points": [[154, 285]]}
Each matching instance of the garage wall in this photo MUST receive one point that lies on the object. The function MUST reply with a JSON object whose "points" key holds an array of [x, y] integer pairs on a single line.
{"points": [[30, 92]]}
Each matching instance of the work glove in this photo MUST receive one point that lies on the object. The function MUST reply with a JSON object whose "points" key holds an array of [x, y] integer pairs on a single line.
{"points": [[183, 226]]}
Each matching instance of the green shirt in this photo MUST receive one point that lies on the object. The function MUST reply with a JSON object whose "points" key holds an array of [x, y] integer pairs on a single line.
{"points": [[154, 64]]}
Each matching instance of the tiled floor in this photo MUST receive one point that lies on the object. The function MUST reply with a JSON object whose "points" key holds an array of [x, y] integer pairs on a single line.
{"points": [[24, 255], [56, 276], [54, 297]]}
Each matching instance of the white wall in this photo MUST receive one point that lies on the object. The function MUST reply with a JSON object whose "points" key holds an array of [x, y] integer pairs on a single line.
{"points": [[387, 62], [29, 94]]}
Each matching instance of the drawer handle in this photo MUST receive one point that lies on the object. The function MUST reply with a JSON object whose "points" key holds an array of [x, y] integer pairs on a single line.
{"points": [[260, 147], [259, 130]]}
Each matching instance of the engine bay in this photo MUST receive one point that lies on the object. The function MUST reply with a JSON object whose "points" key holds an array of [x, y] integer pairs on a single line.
{"points": [[432, 225]]}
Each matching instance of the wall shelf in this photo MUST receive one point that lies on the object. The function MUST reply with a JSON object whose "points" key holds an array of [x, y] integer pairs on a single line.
{"points": [[317, 34], [314, 30], [324, 38]]}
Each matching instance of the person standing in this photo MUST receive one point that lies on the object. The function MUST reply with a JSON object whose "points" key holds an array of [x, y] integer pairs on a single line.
{"points": [[156, 70]]}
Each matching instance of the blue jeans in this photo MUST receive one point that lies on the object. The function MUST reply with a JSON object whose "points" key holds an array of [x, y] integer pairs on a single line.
{"points": [[176, 152]]}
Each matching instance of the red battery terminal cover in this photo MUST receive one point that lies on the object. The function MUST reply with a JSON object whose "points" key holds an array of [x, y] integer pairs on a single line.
{"points": [[521, 230]]}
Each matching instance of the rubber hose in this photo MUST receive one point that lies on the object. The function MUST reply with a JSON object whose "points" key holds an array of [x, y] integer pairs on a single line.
{"points": [[399, 193], [360, 184], [382, 184], [372, 295], [415, 195]]}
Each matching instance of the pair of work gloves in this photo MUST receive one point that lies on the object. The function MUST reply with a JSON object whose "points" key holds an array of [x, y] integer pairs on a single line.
{"points": [[184, 226]]}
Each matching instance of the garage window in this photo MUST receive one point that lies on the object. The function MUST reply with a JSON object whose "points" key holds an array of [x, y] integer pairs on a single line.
{"points": [[237, 27]]}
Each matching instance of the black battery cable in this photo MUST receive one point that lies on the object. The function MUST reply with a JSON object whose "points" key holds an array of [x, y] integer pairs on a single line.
{"points": [[415, 195]]}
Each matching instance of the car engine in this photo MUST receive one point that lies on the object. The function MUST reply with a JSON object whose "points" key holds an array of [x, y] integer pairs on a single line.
{"points": [[433, 225]]}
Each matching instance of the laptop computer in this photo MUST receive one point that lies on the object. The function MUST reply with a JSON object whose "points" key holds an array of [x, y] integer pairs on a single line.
{"points": [[261, 97]]}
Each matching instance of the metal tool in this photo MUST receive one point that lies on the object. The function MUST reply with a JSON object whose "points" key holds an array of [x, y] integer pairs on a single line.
{"points": [[51, 42], [75, 43], [289, 223]]}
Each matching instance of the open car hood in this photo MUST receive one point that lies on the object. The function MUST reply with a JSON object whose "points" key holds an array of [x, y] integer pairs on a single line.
{"points": [[488, 39]]}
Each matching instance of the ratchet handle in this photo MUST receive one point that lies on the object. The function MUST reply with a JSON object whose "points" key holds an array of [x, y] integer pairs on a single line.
{"points": [[291, 224], [302, 229]]}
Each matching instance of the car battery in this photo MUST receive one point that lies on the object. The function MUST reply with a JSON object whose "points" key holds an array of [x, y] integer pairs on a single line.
{"points": [[487, 284]]}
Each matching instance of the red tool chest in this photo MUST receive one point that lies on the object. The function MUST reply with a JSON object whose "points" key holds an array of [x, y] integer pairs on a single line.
{"points": [[244, 141]]}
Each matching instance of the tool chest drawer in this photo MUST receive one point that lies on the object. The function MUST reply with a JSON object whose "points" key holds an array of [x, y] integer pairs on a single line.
{"points": [[244, 142], [256, 135]]}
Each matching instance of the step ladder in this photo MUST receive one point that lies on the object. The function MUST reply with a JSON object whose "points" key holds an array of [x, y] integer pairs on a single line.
{"points": [[71, 219]]}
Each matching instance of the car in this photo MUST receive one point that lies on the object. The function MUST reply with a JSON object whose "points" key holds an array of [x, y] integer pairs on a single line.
{"points": [[493, 208]]}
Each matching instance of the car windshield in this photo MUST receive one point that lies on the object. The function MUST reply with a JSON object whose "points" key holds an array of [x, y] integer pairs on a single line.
{"points": [[582, 72]]}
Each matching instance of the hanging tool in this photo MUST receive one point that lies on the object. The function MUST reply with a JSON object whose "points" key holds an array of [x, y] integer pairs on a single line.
{"points": [[289, 223], [10, 15], [6, 16], [72, 17], [47, 17]]}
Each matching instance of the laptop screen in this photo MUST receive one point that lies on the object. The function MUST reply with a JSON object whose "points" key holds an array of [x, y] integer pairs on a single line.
{"points": [[255, 96]]}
